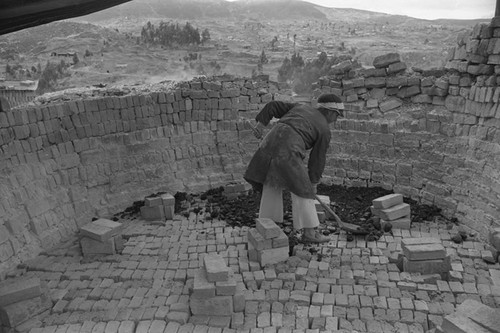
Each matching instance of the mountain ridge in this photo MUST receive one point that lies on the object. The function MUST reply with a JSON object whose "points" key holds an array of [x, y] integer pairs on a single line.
{"points": [[255, 10]]}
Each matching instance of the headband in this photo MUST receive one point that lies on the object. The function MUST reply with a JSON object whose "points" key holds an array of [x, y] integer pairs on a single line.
{"points": [[332, 106]]}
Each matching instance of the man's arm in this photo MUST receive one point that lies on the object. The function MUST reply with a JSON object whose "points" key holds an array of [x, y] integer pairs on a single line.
{"points": [[317, 158], [274, 109]]}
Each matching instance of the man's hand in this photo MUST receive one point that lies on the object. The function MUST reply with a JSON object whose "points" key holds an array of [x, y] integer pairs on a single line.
{"points": [[258, 130], [315, 188]]}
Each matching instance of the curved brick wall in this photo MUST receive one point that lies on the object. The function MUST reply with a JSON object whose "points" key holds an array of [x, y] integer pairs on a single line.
{"points": [[93, 154], [63, 163], [432, 135]]}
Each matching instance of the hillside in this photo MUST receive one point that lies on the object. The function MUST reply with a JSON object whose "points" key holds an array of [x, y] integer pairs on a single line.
{"points": [[202, 9], [110, 51], [260, 10]]}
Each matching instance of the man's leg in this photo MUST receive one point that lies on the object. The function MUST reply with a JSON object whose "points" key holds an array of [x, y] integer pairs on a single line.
{"points": [[271, 204], [305, 216]]}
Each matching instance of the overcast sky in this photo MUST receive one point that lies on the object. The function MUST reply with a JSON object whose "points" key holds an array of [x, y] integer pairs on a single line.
{"points": [[426, 9]]}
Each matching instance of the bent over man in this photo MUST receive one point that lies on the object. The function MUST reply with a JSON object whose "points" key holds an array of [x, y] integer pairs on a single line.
{"points": [[278, 163]]}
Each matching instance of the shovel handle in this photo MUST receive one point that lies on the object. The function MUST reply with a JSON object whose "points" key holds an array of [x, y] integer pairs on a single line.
{"points": [[325, 206]]}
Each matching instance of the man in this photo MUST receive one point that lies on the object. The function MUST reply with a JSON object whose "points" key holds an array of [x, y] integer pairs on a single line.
{"points": [[279, 161]]}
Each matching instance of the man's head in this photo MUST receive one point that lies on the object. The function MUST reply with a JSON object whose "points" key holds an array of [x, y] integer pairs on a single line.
{"points": [[331, 106]]}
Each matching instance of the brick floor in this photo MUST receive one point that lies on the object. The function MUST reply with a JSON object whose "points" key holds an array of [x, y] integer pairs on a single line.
{"points": [[344, 287]]}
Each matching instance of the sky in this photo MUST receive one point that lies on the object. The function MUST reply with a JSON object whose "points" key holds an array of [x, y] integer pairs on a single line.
{"points": [[425, 9]]}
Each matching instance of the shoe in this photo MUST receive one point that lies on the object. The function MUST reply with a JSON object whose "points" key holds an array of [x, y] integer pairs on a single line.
{"points": [[315, 238]]}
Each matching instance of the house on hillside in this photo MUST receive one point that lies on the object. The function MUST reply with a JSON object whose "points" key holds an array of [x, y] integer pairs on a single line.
{"points": [[18, 92], [63, 55]]}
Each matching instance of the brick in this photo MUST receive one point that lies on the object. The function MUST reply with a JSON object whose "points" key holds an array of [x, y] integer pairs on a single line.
{"points": [[387, 201], [385, 60], [494, 237], [395, 212], [390, 104], [273, 256], [281, 240], [169, 212], [215, 306], [19, 289], [202, 288], [424, 252], [153, 201], [168, 199], [427, 266], [481, 314], [458, 323], [267, 228], [239, 302], [375, 211], [16, 313], [115, 226], [420, 240], [153, 213], [396, 67], [321, 218], [92, 246], [216, 268], [401, 223], [258, 241], [100, 230], [226, 288]]}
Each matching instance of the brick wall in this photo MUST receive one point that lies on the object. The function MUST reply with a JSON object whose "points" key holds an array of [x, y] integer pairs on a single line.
{"points": [[63, 163], [431, 135], [17, 97]]}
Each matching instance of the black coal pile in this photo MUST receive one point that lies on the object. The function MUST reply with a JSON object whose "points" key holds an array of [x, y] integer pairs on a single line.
{"points": [[351, 204], [131, 211]]}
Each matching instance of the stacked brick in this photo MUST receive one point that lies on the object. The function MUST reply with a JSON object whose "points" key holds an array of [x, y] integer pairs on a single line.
{"points": [[267, 243], [232, 191], [101, 236], [20, 300], [215, 291], [473, 86], [158, 207], [424, 255], [381, 87], [391, 209]]}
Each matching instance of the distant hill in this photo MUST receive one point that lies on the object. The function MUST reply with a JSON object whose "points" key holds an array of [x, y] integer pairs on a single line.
{"points": [[261, 10], [210, 9]]}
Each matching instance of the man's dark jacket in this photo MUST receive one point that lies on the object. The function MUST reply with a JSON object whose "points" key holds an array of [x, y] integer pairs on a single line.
{"points": [[279, 161]]}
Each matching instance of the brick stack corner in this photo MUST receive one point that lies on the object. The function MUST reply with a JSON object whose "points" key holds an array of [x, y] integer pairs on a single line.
{"points": [[158, 208], [425, 255], [234, 190], [215, 292], [391, 209], [267, 243], [471, 316], [20, 300], [101, 236]]}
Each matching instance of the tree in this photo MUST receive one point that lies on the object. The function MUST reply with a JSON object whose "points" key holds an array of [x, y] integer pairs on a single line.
{"points": [[205, 36], [285, 72], [75, 59], [8, 70], [168, 34], [274, 41], [297, 61], [263, 58]]}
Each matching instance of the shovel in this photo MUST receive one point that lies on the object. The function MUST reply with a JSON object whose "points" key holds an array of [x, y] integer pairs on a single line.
{"points": [[348, 227]]}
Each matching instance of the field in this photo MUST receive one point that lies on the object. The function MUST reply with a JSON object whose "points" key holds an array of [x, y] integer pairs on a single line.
{"points": [[110, 52]]}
